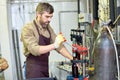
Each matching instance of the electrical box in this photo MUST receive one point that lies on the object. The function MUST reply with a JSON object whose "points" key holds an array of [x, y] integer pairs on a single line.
{"points": [[85, 18]]}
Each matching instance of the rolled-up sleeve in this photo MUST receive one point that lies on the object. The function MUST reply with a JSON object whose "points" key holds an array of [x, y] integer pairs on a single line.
{"points": [[29, 40]]}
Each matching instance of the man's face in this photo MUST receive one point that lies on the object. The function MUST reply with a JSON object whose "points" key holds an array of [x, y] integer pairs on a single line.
{"points": [[44, 18]]}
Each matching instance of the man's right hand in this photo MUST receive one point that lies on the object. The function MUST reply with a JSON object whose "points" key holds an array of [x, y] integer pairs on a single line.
{"points": [[59, 40]]}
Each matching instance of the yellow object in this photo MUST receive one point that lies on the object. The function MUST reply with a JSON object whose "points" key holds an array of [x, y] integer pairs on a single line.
{"points": [[59, 40], [91, 68]]}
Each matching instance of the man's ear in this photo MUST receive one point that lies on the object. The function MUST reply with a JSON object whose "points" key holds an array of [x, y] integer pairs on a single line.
{"points": [[38, 14]]}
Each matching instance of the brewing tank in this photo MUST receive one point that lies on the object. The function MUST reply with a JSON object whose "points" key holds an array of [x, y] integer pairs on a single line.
{"points": [[104, 58]]}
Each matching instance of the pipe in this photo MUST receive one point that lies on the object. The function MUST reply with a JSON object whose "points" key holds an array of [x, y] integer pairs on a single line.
{"points": [[78, 5], [88, 6], [17, 54], [113, 6], [112, 10], [95, 9], [31, 1]]}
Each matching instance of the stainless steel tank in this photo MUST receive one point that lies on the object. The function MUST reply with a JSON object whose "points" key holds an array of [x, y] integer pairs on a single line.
{"points": [[104, 58]]}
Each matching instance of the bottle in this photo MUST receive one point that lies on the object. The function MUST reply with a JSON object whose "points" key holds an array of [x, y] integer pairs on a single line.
{"points": [[75, 70]]}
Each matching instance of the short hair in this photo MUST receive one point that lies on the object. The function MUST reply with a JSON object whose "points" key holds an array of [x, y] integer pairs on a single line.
{"points": [[41, 7]]}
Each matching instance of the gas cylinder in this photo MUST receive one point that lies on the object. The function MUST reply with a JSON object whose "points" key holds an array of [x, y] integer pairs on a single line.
{"points": [[104, 57]]}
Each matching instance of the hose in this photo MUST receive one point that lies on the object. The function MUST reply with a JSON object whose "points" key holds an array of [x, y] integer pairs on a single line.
{"points": [[116, 20]]}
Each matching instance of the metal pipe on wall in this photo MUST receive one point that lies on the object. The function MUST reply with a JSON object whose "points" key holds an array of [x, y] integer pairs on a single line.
{"points": [[78, 5], [95, 9], [36, 1], [112, 9], [88, 6], [17, 54]]}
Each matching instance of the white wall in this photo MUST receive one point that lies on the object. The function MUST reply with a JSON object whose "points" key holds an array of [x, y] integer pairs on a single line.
{"points": [[5, 41]]}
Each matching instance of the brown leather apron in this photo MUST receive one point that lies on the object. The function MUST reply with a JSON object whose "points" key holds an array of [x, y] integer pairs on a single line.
{"points": [[37, 66]]}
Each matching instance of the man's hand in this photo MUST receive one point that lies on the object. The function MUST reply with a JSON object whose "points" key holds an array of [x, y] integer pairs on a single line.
{"points": [[59, 40], [3, 64]]}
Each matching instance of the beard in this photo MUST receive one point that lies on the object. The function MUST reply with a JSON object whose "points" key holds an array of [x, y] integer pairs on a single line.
{"points": [[44, 24]]}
